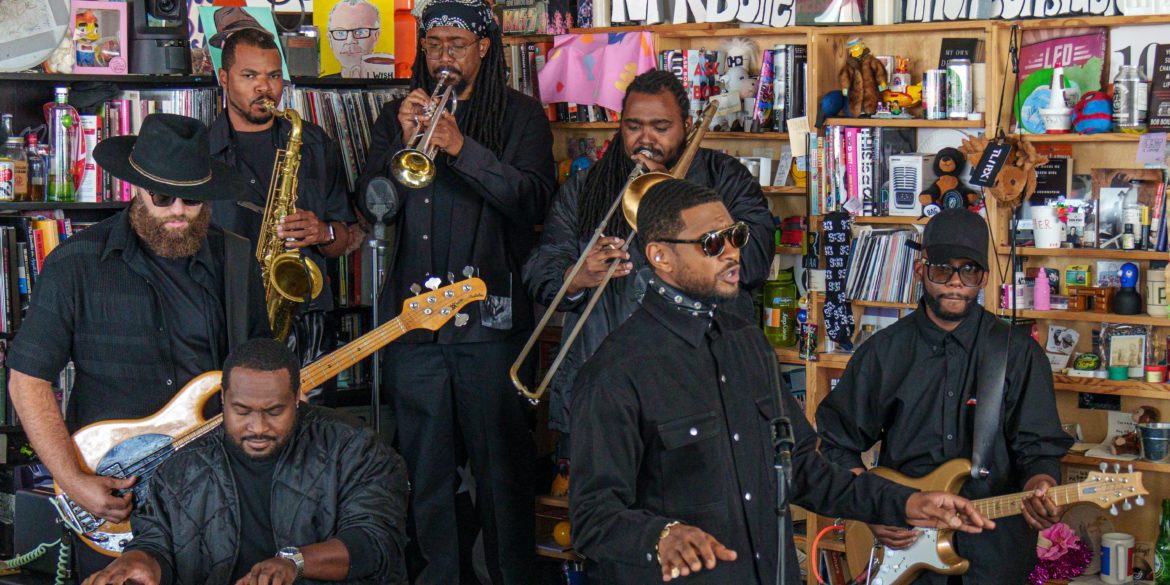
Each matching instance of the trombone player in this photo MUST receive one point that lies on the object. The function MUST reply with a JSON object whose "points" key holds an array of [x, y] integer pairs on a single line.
{"points": [[247, 136], [653, 132], [492, 180]]}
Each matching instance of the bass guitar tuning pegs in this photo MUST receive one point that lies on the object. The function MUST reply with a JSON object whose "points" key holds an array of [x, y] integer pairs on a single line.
{"points": [[461, 319], [415, 289]]}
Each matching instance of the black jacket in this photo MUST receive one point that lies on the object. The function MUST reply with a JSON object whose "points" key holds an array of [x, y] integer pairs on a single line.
{"points": [[481, 211], [333, 476], [561, 245]]}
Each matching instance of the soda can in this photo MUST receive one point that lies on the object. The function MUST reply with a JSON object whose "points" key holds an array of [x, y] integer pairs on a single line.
{"points": [[934, 94], [960, 97]]}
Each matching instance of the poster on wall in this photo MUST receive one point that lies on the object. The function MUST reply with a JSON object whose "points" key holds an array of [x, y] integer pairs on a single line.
{"points": [[831, 12], [953, 10], [357, 38], [262, 15]]}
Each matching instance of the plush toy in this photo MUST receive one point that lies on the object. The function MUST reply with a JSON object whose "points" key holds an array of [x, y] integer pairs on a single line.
{"points": [[947, 192], [1017, 179], [1093, 114], [862, 78], [85, 38], [832, 104], [736, 82]]}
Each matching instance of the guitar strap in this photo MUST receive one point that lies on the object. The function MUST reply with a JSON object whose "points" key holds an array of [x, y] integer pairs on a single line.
{"points": [[990, 380], [237, 254]]}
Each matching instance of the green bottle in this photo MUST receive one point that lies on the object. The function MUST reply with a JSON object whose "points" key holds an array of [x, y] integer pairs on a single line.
{"points": [[1162, 548], [780, 308]]}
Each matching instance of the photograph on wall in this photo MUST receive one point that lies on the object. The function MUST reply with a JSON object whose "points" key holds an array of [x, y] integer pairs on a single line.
{"points": [[99, 37], [263, 16], [357, 38]]}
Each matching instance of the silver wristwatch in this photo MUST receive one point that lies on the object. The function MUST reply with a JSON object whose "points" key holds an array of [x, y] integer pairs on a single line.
{"points": [[293, 554]]}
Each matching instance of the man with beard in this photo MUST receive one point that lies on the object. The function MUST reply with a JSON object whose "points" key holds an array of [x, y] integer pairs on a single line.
{"points": [[913, 387], [450, 389], [141, 303], [246, 137], [282, 492], [673, 419], [654, 126], [354, 29]]}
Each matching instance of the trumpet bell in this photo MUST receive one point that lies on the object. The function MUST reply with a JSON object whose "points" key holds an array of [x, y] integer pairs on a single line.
{"points": [[632, 197], [413, 168], [294, 277]]}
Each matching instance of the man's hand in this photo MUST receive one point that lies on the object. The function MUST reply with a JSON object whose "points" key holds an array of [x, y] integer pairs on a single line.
{"points": [[652, 165], [606, 250], [688, 550], [94, 493], [447, 135], [893, 536], [134, 567], [1039, 510], [304, 228], [411, 109], [945, 510], [274, 571]]}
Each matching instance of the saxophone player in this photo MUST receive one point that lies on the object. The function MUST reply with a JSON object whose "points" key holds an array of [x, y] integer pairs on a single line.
{"points": [[247, 136]]}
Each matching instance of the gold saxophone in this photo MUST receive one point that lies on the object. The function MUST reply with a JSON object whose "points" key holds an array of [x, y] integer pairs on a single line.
{"points": [[288, 277]]}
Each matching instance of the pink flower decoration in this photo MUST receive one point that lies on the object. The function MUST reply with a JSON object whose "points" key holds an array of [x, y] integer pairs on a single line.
{"points": [[1055, 541]]}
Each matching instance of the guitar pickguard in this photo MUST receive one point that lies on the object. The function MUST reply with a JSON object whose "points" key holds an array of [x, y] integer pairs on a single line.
{"points": [[922, 554], [145, 452]]}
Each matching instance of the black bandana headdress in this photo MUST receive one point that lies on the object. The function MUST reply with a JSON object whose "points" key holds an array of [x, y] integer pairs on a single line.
{"points": [[473, 15]]}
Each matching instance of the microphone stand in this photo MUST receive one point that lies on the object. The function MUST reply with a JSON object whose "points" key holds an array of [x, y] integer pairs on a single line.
{"points": [[782, 442], [378, 245]]}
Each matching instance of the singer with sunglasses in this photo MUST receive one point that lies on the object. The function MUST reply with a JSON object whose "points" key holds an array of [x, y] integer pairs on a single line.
{"points": [[672, 444], [914, 386], [654, 125], [140, 303]]}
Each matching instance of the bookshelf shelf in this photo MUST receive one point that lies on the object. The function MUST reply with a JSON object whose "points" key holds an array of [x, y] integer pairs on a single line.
{"points": [[883, 304], [1132, 388], [789, 355], [1103, 137], [789, 250], [553, 501], [889, 220], [187, 80], [834, 360], [518, 39], [39, 205], [784, 190], [1089, 253], [583, 125], [1138, 464], [662, 30], [1093, 21], [754, 31], [912, 123], [1090, 317], [327, 82], [746, 136]]}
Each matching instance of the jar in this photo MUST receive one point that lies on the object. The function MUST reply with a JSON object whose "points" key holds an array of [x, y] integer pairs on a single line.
{"points": [[1130, 93], [781, 304]]}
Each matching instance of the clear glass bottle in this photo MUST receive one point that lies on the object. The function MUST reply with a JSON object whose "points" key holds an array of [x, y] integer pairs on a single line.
{"points": [[63, 129], [37, 175], [14, 152], [1162, 547], [867, 331], [1130, 94]]}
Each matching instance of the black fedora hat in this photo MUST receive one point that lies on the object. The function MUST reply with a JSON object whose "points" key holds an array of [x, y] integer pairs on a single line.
{"points": [[170, 155]]}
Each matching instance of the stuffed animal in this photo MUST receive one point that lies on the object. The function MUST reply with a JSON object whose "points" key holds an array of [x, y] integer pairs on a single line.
{"points": [[736, 82], [1016, 181], [862, 78], [832, 104], [1093, 114], [947, 192]]}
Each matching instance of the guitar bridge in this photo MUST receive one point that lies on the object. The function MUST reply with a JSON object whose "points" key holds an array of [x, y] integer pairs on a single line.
{"points": [[75, 517]]}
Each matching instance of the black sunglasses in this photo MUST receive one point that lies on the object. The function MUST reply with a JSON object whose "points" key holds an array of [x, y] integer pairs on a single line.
{"points": [[161, 200], [713, 243], [970, 274]]}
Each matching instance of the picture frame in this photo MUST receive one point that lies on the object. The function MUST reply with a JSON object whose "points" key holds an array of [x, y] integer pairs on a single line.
{"points": [[99, 37], [1125, 345]]}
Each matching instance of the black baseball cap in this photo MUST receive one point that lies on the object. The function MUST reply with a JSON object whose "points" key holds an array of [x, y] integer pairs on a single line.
{"points": [[956, 233]]}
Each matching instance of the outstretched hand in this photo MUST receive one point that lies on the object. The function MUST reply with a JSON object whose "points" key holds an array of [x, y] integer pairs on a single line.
{"points": [[945, 510]]}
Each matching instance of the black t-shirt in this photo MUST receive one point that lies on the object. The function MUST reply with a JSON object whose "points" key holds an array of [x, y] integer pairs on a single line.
{"points": [[194, 313], [257, 156], [254, 489]]}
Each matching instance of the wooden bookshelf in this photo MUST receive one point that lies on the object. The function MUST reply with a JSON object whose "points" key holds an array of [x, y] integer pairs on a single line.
{"points": [[882, 304], [1089, 317], [785, 190], [583, 125], [900, 123], [39, 205], [789, 355], [889, 220], [789, 249], [1095, 253], [1102, 137], [522, 39], [1138, 464], [1132, 388]]}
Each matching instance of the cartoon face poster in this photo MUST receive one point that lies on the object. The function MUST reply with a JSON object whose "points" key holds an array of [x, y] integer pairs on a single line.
{"points": [[262, 16], [357, 37]]}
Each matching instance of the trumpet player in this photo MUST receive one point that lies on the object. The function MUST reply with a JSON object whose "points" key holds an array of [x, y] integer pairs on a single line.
{"points": [[653, 132], [493, 178], [247, 136]]}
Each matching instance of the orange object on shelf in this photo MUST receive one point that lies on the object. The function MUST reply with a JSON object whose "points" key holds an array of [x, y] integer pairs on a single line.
{"points": [[405, 38], [561, 533]]}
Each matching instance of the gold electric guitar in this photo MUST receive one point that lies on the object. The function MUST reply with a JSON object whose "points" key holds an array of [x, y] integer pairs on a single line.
{"points": [[934, 549], [135, 448]]}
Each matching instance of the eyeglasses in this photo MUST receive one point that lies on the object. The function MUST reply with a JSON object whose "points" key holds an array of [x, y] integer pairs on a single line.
{"points": [[970, 274], [713, 243], [161, 200], [340, 34], [434, 50]]}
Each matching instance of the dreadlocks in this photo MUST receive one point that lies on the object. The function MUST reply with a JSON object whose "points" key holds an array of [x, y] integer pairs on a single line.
{"points": [[608, 176], [487, 101]]}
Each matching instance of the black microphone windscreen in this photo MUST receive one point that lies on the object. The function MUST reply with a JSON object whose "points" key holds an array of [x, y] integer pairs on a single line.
{"points": [[382, 199]]}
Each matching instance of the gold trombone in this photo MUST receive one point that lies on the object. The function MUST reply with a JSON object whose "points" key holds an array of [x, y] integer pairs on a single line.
{"points": [[638, 183], [414, 165]]}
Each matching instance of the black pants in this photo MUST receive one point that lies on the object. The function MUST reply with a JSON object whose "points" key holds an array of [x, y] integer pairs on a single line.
{"points": [[444, 392]]}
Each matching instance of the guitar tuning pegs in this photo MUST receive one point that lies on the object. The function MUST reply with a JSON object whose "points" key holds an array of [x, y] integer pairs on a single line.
{"points": [[468, 271], [415, 289], [1130, 468], [1125, 505], [1104, 467], [1139, 501], [433, 283], [451, 277], [1113, 510], [461, 319]]}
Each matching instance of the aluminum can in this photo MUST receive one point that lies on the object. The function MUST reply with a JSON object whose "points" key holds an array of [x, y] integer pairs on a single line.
{"points": [[960, 96], [934, 94]]}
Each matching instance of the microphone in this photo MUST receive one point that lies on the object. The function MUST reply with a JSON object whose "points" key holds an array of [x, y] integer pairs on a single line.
{"points": [[383, 203]]}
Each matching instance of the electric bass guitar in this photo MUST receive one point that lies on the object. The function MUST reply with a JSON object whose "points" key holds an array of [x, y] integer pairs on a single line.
{"points": [[135, 448], [934, 550]]}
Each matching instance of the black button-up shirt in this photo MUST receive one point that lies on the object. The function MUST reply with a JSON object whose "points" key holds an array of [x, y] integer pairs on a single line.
{"points": [[481, 211], [672, 422], [97, 302], [913, 386]]}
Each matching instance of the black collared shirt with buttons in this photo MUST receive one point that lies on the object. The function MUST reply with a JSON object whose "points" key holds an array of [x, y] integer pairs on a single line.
{"points": [[913, 386], [104, 303], [672, 422]]}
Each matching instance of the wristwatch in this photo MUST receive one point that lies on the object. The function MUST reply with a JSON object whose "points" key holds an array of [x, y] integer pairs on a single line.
{"points": [[332, 236], [293, 554]]}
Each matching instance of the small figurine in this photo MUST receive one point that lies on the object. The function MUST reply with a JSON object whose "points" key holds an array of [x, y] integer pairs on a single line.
{"points": [[736, 82], [1127, 301], [882, 110], [947, 192], [862, 78], [85, 37]]}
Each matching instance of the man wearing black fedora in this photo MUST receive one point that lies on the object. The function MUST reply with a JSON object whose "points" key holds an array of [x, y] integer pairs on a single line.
{"points": [[246, 137], [140, 303]]}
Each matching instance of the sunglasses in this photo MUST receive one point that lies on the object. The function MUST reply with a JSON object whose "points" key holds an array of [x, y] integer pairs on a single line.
{"points": [[161, 200], [713, 243], [970, 274]]}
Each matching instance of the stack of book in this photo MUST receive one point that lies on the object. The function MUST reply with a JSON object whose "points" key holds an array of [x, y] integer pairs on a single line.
{"points": [[25, 240], [849, 168]]}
